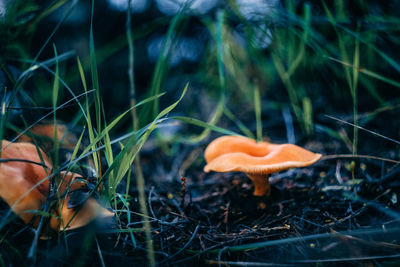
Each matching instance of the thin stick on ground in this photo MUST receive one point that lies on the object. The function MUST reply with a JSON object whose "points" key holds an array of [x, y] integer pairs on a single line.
{"points": [[364, 129], [338, 156]]}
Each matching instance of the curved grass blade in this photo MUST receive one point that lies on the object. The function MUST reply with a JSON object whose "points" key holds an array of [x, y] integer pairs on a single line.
{"points": [[239, 124], [368, 72], [203, 124]]}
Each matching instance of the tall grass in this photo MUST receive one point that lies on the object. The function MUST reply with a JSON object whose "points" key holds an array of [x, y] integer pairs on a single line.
{"points": [[351, 77], [293, 56], [140, 182]]}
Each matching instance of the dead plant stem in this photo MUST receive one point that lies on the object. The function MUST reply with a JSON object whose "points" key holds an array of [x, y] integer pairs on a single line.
{"points": [[135, 121]]}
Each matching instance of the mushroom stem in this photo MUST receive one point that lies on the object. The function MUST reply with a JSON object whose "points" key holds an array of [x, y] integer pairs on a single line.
{"points": [[261, 184]]}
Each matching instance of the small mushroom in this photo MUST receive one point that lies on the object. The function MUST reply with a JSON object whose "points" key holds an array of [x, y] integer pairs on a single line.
{"points": [[74, 217], [19, 174], [44, 134], [257, 160], [24, 188]]}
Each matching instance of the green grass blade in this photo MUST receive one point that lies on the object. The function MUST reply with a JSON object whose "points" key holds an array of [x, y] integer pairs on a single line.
{"points": [[341, 42], [95, 84], [302, 47], [93, 68], [308, 115], [56, 87], [257, 111], [78, 144], [238, 123], [46, 12], [387, 58], [128, 154], [128, 215], [369, 73], [356, 64], [88, 116], [161, 69], [294, 99], [3, 115], [213, 121], [203, 124]]}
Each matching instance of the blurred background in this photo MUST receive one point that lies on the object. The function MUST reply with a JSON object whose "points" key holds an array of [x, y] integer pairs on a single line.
{"points": [[291, 51]]}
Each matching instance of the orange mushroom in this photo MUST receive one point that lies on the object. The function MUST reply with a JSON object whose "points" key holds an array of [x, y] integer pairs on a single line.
{"points": [[24, 188], [71, 218], [19, 174], [257, 160], [45, 134]]}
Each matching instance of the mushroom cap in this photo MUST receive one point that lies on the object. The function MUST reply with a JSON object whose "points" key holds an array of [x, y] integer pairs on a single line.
{"points": [[72, 218], [46, 131], [237, 153], [21, 185], [18, 178], [230, 144]]}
